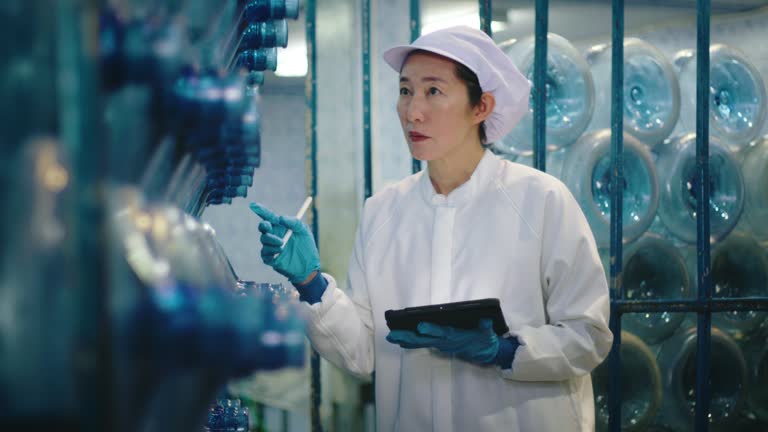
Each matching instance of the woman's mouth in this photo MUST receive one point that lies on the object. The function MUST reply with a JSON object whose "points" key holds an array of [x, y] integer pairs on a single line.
{"points": [[416, 137]]}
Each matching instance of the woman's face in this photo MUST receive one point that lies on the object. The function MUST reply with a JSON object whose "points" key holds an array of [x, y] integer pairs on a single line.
{"points": [[434, 108]]}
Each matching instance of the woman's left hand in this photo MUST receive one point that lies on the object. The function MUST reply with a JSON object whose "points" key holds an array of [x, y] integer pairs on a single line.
{"points": [[480, 345]]}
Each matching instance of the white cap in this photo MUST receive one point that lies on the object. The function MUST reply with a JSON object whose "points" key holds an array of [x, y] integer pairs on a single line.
{"points": [[495, 71]]}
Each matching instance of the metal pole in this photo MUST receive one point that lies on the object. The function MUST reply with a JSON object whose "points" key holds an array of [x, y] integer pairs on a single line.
{"points": [[310, 19], [617, 179], [415, 33], [367, 170], [703, 336], [485, 16], [540, 86]]}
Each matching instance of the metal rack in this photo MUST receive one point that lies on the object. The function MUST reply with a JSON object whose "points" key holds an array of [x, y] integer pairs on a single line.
{"points": [[704, 304]]}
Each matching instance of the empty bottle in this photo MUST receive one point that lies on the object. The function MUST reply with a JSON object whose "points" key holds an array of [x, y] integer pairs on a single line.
{"points": [[260, 59], [227, 415], [261, 10], [587, 172], [676, 165], [757, 395], [653, 269], [754, 167], [569, 94], [737, 98], [264, 35], [554, 161], [739, 269], [640, 386], [727, 378], [651, 91]]}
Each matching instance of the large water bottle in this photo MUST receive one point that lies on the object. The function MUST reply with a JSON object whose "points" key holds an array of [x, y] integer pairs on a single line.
{"points": [[737, 99], [569, 94], [676, 164], [227, 415], [587, 172], [757, 394], [640, 386], [739, 269], [555, 160], [754, 167], [651, 91], [728, 378], [654, 270]]}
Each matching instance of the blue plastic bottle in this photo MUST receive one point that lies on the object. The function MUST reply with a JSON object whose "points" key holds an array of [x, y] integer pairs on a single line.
{"points": [[739, 269], [676, 165], [569, 90], [728, 378], [264, 35], [737, 96], [653, 269], [651, 91], [754, 167], [640, 386], [587, 173], [260, 10]]}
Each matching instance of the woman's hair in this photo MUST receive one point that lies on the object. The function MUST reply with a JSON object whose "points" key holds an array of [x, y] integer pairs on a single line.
{"points": [[469, 79], [473, 90]]}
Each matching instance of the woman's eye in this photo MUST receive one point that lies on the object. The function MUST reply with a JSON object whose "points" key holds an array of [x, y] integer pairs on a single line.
{"points": [[434, 90], [403, 91]]}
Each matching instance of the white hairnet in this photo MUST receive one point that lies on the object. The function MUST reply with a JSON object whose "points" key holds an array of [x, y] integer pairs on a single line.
{"points": [[495, 71]]}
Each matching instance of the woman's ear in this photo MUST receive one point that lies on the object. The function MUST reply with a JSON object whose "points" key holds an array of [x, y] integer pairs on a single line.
{"points": [[484, 108]]}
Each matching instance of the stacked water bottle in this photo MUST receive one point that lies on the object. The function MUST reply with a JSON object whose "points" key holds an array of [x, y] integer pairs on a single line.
{"points": [[204, 90], [227, 415], [659, 215], [182, 81]]}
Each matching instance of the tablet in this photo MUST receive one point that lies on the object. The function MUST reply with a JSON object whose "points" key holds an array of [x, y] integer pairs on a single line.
{"points": [[465, 315]]}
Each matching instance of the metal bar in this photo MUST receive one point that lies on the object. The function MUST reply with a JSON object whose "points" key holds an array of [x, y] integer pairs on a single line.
{"points": [[486, 10], [367, 170], [79, 108], [415, 33], [703, 335], [310, 83], [540, 86], [617, 176], [695, 305]]}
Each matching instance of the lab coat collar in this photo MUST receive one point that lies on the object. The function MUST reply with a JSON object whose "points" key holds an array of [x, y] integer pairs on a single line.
{"points": [[482, 175]]}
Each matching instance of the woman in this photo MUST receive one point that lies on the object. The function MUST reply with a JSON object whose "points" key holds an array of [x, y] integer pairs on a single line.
{"points": [[471, 226]]}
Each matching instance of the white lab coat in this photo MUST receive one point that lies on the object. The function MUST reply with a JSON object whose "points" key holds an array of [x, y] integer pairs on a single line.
{"points": [[509, 232]]}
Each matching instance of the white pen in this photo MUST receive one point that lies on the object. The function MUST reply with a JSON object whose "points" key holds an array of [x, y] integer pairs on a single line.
{"points": [[299, 215]]}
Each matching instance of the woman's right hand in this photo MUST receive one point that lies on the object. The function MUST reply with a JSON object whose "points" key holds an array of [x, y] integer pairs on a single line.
{"points": [[298, 260]]}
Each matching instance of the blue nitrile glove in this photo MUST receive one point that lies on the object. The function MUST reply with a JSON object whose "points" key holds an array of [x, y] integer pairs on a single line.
{"points": [[480, 345], [299, 258]]}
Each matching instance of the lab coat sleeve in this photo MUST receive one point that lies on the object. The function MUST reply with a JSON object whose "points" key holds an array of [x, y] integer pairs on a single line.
{"points": [[576, 337], [340, 325]]}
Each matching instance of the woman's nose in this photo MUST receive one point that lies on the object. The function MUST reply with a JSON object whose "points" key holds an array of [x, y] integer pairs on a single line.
{"points": [[415, 110]]}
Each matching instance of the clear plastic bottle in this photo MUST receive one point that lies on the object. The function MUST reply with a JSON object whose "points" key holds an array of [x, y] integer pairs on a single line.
{"points": [[587, 172], [569, 90], [676, 165], [640, 386], [739, 269], [757, 394], [737, 97], [651, 91], [261, 10], [653, 269], [754, 167], [728, 378]]}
